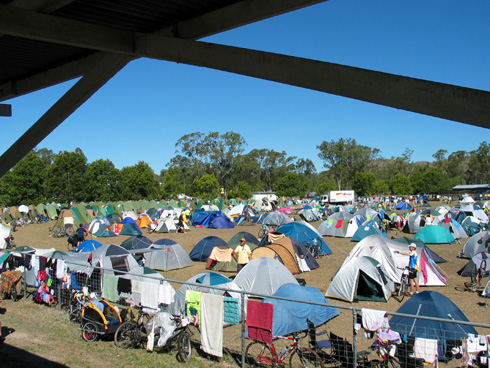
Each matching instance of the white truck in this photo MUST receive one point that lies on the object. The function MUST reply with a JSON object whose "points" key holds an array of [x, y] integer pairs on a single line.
{"points": [[337, 196]]}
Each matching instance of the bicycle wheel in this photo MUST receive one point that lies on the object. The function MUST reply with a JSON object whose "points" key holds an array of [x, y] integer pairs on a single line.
{"points": [[74, 313], [402, 291], [304, 357], [184, 348], [261, 233], [90, 332], [258, 354], [126, 335], [378, 363]]}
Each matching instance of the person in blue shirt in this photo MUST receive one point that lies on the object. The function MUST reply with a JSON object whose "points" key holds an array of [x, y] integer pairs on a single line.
{"points": [[413, 267], [81, 232]]}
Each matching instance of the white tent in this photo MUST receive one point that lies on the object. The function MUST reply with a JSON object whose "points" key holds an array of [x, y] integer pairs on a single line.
{"points": [[4, 233], [264, 276], [476, 244], [383, 250], [362, 278]]}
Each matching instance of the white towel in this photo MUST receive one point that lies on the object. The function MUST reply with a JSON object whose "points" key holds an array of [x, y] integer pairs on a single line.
{"points": [[212, 317], [149, 295], [372, 319], [166, 294], [425, 349], [60, 268]]}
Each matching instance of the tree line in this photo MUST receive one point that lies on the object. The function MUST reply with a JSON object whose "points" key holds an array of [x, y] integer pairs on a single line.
{"points": [[216, 165]]}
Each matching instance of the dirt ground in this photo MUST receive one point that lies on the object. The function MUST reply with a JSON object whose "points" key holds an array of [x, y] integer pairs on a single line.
{"points": [[472, 305]]}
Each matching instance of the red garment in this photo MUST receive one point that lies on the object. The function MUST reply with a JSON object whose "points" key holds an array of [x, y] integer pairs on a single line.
{"points": [[339, 223], [259, 321]]}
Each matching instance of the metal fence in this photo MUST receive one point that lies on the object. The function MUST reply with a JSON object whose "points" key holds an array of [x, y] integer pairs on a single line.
{"points": [[447, 340]]}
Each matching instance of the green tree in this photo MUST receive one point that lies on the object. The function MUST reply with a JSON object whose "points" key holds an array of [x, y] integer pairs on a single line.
{"points": [[440, 159], [290, 186], [223, 151], [104, 181], [400, 184], [172, 183], [456, 163], [479, 164], [363, 183], [401, 165], [193, 153], [206, 187], [139, 182], [66, 178], [46, 155], [344, 158], [380, 187], [436, 180], [24, 184], [272, 166], [243, 191]]}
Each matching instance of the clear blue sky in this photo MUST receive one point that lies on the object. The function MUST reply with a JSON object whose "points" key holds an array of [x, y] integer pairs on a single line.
{"points": [[142, 112]]}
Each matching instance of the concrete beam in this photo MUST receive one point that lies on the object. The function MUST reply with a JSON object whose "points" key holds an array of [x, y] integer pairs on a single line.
{"points": [[466, 105], [233, 16]]}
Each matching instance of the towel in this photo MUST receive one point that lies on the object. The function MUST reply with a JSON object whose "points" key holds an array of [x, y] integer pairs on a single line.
{"points": [[231, 310], [109, 288], [339, 223], [60, 269], [425, 349], [166, 294], [259, 321], [212, 314], [372, 319], [193, 299], [149, 295], [221, 255]]}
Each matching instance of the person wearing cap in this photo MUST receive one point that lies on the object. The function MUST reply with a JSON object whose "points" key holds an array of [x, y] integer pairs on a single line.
{"points": [[412, 267], [243, 253]]}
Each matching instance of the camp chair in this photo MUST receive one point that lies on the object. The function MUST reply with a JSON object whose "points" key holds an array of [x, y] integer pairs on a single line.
{"points": [[322, 347], [343, 353]]}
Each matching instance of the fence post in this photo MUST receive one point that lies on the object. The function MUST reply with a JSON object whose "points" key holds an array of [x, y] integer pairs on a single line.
{"points": [[242, 311], [25, 278], [354, 331]]}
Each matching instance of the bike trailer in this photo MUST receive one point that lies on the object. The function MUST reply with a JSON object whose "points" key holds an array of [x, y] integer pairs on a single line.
{"points": [[99, 318]]}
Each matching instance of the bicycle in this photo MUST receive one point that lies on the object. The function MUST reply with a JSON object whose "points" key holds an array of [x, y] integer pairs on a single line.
{"points": [[403, 287], [313, 245], [77, 302], [383, 349], [133, 333], [265, 230], [259, 354]]}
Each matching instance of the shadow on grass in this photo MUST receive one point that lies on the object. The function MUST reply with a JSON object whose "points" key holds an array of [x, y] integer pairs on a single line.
{"points": [[13, 357]]}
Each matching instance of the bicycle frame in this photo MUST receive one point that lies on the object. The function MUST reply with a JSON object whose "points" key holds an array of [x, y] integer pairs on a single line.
{"points": [[277, 358]]}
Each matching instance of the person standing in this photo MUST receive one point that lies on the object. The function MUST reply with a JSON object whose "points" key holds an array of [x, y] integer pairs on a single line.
{"points": [[243, 253], [81, 232], [180, 224], [412, 267]]}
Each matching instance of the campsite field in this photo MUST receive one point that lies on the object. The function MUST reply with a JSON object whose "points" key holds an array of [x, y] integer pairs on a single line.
{"points": [[36, 332]]}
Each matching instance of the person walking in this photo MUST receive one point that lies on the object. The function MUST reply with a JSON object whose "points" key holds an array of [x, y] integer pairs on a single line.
{"points": [[243, 253], [81, 232], [180, 224], [412, 267]]}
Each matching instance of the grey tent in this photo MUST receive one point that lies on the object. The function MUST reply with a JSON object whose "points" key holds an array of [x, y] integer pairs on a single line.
{"points": [[361, 278], [480, 242], [166, 256], [264, 276]]}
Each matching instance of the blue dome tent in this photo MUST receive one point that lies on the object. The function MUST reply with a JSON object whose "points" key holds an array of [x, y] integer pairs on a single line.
{"points": [[292, 316], [303, 231]]}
